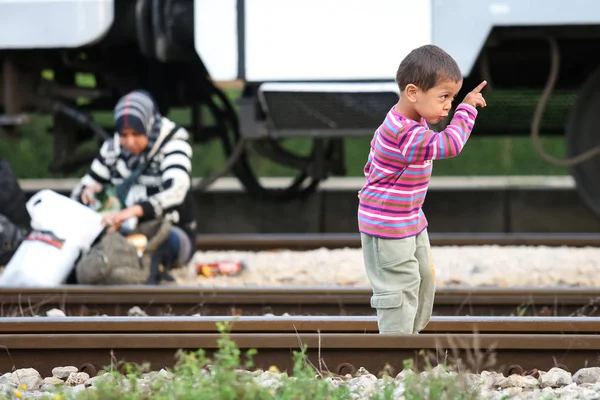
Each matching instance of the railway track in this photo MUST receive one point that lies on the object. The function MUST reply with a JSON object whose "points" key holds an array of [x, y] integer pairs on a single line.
{"points": [[255, 242], [182, 301], [343, 344]]}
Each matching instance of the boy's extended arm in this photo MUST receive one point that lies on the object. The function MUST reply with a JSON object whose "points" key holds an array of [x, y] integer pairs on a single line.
{"points": [[418, 144]]}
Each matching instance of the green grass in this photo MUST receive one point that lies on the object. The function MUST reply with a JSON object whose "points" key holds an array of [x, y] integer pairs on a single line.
{"points": [[231, 375], [506, 155], [31, 156]]}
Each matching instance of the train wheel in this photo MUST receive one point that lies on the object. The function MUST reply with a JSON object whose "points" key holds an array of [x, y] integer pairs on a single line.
{"points": [[325, 156], [583, 134]]}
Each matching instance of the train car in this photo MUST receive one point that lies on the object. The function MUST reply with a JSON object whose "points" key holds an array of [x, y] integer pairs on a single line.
{"points": [[318, 69]]}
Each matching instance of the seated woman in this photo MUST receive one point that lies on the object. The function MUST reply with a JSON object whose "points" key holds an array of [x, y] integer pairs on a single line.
{"points": [[162, 189]]}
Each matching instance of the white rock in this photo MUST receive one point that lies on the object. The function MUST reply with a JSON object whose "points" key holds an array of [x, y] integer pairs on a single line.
{"points": [[136, 312], [404, 373], [587, 375], [474, 380], [144, 385], [91, 381], [6, 388], [64, 372], [27, 376], [48, 387], [491, 378], [334, 381], [556, 377], [267, 375], [35, 394], [78, 388], [53, 380], [165, 374], [270, 383], [517, 381], [511, 391], [399, 390], [5, 380], [363, 385], [55, 312], [77, 378]]}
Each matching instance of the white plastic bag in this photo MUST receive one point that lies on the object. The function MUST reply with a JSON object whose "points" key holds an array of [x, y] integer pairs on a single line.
{"points": [[62, 228]]}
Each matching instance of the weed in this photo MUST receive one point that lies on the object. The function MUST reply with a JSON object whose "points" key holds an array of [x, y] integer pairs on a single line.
{"points": [[228, 376]]}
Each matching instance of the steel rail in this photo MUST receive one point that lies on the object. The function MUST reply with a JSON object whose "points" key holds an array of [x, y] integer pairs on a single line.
{"points": [[306, 324], [339, 353], [78, 300], [307, 241]]}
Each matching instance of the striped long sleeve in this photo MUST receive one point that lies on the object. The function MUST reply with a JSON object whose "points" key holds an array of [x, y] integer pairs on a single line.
{"points": [[176, 172], [98, 173], [163, 188], [418, 143], [398, 171]]}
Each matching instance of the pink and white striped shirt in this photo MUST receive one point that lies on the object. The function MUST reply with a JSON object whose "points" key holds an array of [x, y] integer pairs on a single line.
{"points": [[399, 168]]}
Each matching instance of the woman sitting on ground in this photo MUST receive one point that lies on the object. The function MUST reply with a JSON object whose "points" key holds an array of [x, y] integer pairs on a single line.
{"points": [[162, 190]]}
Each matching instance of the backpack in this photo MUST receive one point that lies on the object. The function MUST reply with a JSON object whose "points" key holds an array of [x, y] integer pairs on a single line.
{"points": [[13, 198], [14, 218], [11, 237], [113, 260]]}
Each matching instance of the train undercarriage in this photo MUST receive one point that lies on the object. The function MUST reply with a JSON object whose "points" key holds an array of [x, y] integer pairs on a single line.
{"points": [[151, 45]]}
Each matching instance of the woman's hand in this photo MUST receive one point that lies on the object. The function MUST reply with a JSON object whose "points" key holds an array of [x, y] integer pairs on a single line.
{"points": [[87, 196], [115, 220]]}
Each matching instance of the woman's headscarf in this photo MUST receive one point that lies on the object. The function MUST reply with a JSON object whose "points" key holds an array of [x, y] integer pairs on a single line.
{"points": [[138, 110]]}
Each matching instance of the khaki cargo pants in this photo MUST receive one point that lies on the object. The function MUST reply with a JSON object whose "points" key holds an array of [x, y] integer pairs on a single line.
{"points": [[403, 280]]}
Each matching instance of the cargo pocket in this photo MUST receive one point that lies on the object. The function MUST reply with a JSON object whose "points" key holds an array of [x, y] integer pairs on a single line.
{"points": [[386, 300], [392, 317]]}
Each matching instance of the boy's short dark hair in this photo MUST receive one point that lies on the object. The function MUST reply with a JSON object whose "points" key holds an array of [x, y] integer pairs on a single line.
{"points": [[426, 66]]}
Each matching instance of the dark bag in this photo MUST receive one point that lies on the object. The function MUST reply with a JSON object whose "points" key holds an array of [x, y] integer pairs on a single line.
{"points": [[115, 261], [12, 198], [15, 222], [11, 237]]}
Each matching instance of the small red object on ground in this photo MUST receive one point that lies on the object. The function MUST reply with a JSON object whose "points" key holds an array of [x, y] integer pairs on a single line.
{"points": [[228, 268]]}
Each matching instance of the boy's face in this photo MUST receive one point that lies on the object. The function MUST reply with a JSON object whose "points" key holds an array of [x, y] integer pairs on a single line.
{"points": [[435, 104]]}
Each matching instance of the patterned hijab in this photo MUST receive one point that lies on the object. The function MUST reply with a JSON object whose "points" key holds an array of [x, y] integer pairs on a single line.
{"points": [[138, 110]]}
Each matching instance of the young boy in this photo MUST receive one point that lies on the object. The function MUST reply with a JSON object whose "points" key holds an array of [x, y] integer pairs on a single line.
{"points": [[393, 228]]}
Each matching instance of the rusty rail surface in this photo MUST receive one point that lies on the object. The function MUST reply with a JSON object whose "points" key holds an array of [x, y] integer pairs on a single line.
{"points": [[295, 324], [156, 301], [508, 345], [307, 241]]}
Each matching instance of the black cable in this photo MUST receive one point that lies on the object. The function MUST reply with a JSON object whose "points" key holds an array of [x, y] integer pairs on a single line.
{"points": [[80, 118], [539, 113]]}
